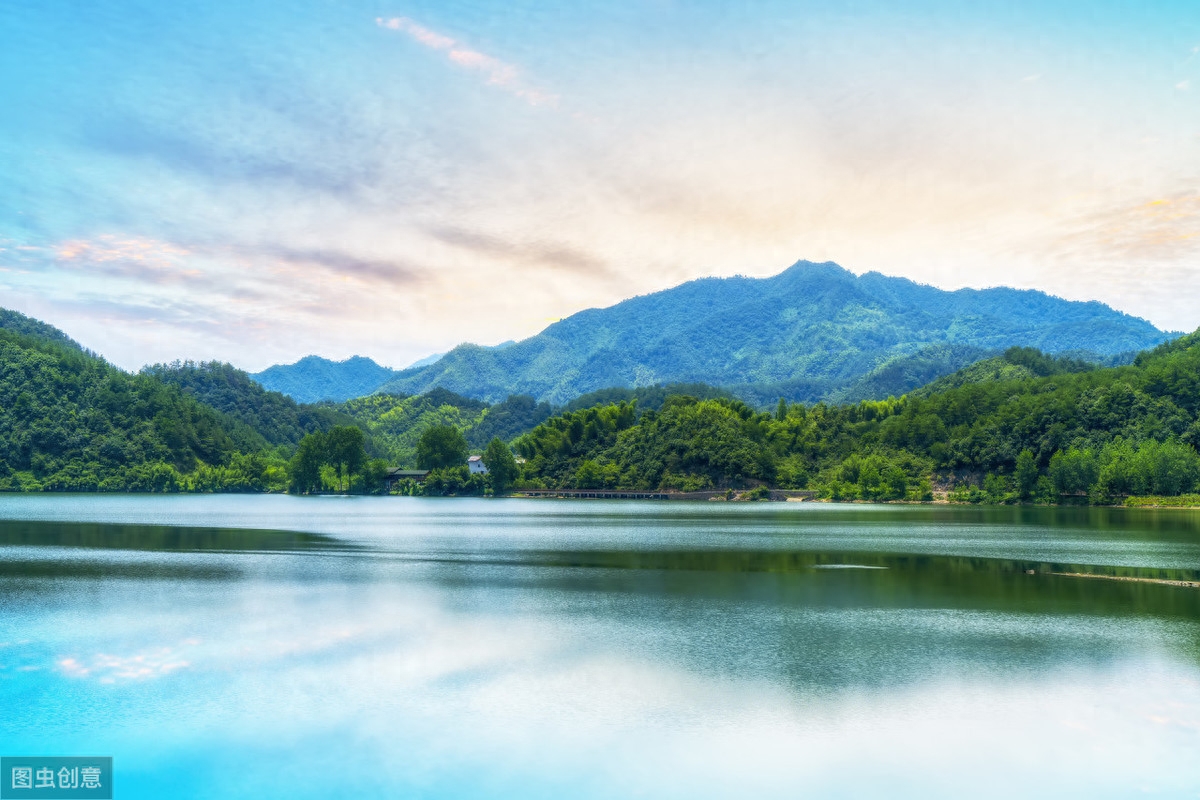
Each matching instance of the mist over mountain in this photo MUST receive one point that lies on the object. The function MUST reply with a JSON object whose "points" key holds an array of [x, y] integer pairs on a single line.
{"points": [[813, 332]]}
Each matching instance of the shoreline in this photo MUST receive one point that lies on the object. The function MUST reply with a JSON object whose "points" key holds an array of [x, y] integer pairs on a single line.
{"points": [[772, 496]]}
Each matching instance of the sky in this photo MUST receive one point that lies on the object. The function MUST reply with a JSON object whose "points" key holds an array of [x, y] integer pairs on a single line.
{"points": [[256, 181]]}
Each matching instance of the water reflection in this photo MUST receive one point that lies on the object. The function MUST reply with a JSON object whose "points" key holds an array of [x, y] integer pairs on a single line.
{"points": [[547, 650], [163, 538]]}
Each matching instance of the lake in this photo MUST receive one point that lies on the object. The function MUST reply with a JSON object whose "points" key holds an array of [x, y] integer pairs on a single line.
{"points": [[269, 646]]}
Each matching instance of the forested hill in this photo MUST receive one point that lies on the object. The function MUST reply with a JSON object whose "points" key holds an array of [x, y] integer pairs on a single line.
{"points": [[17, 322], [70, 421], [1026, 426], [809, 333], [396, 422], [279, 419], [1016, 363], [312, 378]]}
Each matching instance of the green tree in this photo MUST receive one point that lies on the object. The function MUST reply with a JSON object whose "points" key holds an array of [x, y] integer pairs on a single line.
{"points": [[441, 447], [1026, 474], [345, 451], [781, 410], [375, 476], [1075, 471], [305, 467], [501, 466]]}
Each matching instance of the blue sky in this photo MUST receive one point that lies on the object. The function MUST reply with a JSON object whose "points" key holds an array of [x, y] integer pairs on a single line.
{"points": [[256, 181]]}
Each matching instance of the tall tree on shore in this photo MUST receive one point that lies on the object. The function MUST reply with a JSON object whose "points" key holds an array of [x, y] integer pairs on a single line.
{"points": [[441, 447], [502, 467], [345, 451], [305, 467]]}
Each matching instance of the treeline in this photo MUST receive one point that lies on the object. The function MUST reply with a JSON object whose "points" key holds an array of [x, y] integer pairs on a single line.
{"points": [[1021, 427], [1060, 429], [276, 417], [395, 423], [331, 460], [71, 422], [443, 451]]}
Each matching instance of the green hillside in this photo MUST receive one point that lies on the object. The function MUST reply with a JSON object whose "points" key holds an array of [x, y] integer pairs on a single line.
{"points": [[1023, 426], [395, 423], [17, 322], [815, 331], [648, 398], [71, 422], [279, 419], [1014, 364]]}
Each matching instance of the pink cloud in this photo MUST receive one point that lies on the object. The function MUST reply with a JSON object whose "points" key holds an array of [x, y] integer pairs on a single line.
{"points": [[109, 668], [497, 72]]}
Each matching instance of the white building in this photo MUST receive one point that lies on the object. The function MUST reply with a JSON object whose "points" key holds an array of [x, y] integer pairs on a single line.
{"points": [[476, 465]]}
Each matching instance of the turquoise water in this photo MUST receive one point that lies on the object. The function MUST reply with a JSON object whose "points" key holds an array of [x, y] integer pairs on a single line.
{"points": [[404, 647]]}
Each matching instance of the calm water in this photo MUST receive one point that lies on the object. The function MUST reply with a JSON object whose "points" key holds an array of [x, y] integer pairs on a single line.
{"points": [[400, 647]]}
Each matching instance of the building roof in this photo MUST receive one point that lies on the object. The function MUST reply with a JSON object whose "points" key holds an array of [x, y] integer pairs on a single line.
{"points": [[396, 472]]}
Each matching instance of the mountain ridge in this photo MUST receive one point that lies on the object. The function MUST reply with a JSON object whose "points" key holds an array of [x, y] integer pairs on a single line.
{"points": [[812, 331], [314, 378]]}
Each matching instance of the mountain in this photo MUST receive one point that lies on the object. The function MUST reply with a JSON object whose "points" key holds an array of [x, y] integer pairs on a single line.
{"points": [[648, 398], [396, 422], [278, 418], [1022, 426], [1016, 363], [807, 334], [71, 421], [313, 378], [426, 361]]}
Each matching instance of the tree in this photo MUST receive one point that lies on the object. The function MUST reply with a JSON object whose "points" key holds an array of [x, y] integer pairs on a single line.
{"points": [[1026, 474], [441, 447], [781, 410], [501, 466], [305, 467], [1074, 471], [375, 476], [345, 451]]}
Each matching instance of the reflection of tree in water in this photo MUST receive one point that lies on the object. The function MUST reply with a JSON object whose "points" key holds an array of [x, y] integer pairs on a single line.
{"points": [[157, 537], [840, 620]]}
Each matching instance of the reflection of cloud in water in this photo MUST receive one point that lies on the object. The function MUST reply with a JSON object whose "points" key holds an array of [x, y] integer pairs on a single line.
{"points": [[533, 699], [109, 668]]}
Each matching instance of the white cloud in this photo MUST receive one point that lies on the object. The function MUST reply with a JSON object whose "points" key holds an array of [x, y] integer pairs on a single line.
{"points": [[497, 73], [108, 668]]}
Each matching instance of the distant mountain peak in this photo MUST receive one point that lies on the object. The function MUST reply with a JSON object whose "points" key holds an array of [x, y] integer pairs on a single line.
{"points": [[810, 332], [315, 378]]}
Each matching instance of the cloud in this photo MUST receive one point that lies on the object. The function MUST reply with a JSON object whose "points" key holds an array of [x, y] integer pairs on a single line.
{"points": [[497, 73], [137, 258], [1183, 86], [1162, 230], [346, 264], [538, 253], [110, 668], [220, 158]]}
